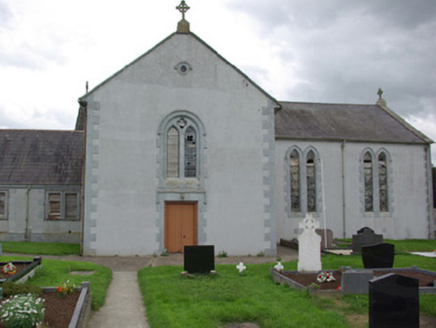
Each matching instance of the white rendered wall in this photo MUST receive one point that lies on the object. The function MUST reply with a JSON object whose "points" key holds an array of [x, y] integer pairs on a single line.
{"points": [[409, 215], [124, 204], [31, 204]]}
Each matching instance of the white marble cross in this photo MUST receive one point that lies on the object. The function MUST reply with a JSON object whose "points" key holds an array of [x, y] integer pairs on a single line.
{"points": [[241, 267], [279, 267]]}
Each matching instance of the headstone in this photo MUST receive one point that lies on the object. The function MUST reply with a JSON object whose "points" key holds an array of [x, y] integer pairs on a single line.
{"points": [[309, 254], [365, 237], [355, 282], [199, 259], [394, 302], [323, 234], [378, 256]]}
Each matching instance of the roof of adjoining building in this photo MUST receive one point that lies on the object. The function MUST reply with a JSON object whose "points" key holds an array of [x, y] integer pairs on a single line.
{"points": [[367, 123], [41, 157]]}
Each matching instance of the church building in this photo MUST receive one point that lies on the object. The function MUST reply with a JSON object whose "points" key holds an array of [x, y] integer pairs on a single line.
{"points": [[182, 148]]}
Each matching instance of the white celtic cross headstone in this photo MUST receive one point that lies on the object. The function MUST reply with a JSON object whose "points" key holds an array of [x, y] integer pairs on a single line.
{"points": [[309, 253], [241, 267]]}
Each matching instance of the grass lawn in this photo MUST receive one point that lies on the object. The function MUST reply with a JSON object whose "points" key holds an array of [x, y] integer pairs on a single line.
{"points": [[28, 247], [173, 300], [54, 272]]}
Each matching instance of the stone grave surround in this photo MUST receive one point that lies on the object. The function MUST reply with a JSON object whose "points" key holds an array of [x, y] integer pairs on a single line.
{"points": [[364, 237], [393, 302], [309, 254]]}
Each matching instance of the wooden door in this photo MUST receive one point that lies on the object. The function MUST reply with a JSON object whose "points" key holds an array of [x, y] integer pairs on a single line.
{"points": [[180, 226]]}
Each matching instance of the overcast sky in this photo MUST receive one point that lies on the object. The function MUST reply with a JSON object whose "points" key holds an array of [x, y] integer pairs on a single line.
{"points": [[338, 51]]}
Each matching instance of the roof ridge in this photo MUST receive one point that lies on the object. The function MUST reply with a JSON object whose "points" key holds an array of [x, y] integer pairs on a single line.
{"points": [[39, 130], [322, 103]]}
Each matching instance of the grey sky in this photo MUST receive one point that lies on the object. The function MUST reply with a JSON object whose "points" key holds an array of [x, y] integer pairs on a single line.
{"points": [[338, 51]]}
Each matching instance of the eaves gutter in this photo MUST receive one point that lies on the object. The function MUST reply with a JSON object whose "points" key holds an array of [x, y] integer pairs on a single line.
{"points": [[354, 140]]}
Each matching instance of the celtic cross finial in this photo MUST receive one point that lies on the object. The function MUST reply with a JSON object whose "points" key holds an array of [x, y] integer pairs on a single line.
{"points": [[380, 92], [183, 8]]}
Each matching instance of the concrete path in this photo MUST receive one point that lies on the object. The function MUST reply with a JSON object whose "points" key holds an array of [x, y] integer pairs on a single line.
{"points": [[123, 306]]}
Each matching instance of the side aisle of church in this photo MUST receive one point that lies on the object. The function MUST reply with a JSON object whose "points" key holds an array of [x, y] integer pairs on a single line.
{"points": [[352, 166]]}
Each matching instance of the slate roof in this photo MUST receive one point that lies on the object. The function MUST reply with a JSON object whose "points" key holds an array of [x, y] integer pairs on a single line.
{"points": [[41, 157], [366, 123]]}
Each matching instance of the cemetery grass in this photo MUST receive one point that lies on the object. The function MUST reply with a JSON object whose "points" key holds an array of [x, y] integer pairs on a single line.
{"points": [[28, 247], [173, 300], [54, 272]]}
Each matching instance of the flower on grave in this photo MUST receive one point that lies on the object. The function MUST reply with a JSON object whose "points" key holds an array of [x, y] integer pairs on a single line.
{"points": [[279, 267], [67, 287], [22, 311], [241, 267], [9, 268], [339, 288], [325, 276]]}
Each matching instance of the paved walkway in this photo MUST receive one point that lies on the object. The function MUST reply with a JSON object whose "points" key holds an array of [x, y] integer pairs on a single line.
{"points": [[123, 306]]}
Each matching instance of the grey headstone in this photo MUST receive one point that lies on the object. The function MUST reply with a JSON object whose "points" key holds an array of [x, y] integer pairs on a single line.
{"points": [[365, 237], [394, 302], [323, 234], [355, 282]]}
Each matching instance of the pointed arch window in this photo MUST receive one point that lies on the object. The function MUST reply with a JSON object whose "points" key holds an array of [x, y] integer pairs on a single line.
{"points": [[294, 162], [369, 183], [311, 182], [173, 153], [181, 149], [383, 182]]}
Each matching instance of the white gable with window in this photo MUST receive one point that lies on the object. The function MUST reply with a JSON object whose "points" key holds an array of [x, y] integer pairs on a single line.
{"points": [[180, 146]]}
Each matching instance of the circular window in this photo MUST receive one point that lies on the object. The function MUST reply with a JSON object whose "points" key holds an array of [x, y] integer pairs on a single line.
{"points": [[183, 68]]}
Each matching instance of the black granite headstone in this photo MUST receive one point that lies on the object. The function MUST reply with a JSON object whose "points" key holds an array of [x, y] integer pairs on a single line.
{"points": [[199, 259], [378, 256], [365, 237], [393, 302]]}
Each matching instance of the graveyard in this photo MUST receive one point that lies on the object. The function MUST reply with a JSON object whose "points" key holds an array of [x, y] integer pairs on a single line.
{"points": [[211, 301]]}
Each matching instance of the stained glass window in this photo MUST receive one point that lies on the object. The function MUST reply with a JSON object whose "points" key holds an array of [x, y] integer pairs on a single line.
{"points": [[173, 153], [311, 182], [369, 184], [295, 182], [383, 182], [2, 205], [190, 153]]}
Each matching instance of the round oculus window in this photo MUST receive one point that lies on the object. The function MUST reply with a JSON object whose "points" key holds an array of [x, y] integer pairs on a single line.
{"points": [[183, 68]]}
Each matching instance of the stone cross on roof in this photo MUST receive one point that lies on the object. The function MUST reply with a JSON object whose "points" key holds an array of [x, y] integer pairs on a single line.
{"points": [[380, 101], [183, 8], [380, 92], [183, 26]]}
